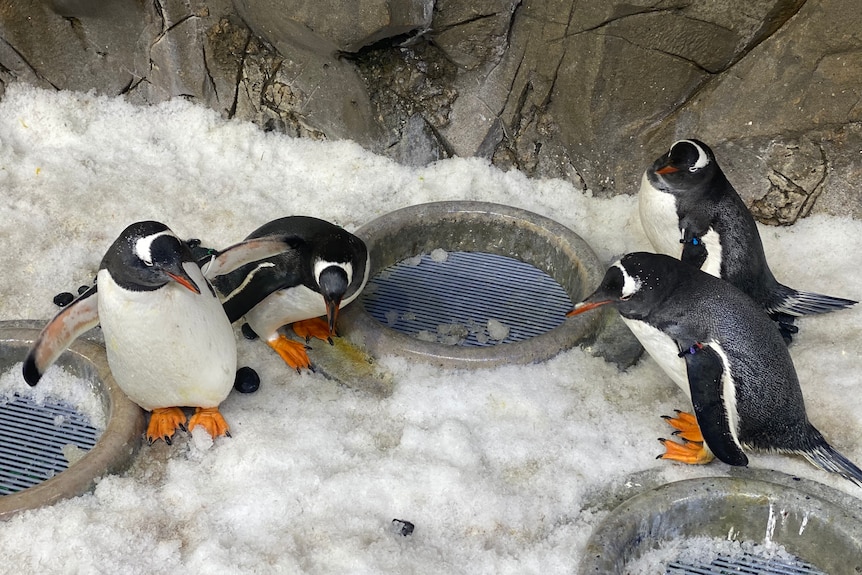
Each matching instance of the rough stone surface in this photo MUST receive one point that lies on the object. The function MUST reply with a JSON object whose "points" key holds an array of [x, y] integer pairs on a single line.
{"points": [[587, 90]]}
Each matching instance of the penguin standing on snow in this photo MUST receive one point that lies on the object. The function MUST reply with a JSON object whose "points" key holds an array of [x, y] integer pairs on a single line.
{"points": [[725, 353], [168, 340], [324, 269], [689, 210]]}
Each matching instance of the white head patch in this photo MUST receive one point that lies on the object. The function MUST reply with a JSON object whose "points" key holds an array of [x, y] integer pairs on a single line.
{"points": [[702, 156], [143, 247], [321, 265], [631, 284]]}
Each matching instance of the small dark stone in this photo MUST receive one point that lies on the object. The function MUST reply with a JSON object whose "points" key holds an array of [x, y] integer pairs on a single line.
{"points": [[247, 332], [247, 380], [63, 299], [82, 289], [402, 527]]}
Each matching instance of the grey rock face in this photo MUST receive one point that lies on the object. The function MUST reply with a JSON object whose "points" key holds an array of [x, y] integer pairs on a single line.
{"points": [[591, 91]]}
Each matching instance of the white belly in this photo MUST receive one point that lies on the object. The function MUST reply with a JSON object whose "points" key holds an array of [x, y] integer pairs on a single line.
{"points": [[287, 306], [168, 347], [663, 350], [659, 219]]}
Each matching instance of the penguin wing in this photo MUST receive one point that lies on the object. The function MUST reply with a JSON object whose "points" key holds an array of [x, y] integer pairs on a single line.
{"points": [[245, 252], [706, 376], [76, 318], [694, 250]]}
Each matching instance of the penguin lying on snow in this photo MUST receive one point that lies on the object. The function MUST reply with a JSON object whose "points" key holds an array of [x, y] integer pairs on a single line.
{"points": [[325, 268], [689, 210], [725, 353], [168, 340]]}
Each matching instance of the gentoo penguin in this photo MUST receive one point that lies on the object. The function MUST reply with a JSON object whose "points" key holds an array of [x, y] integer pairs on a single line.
{"points": [[324, 269], [719, 346], [168, 340], [689, 210]]}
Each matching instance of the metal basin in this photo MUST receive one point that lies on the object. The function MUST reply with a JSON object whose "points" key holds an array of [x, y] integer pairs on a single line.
{"points": [[476, 228], [819, 526], [117, 444]]}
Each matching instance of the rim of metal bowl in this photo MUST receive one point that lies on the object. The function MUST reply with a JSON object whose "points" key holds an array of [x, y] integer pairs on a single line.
{"points": [[118, 443], [477, 227], [811, 520]]}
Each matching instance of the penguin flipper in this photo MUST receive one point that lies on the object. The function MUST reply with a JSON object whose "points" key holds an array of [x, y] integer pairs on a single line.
{"points": [[73, 320], [705, 370], [694, 251], [794, 302], [245, 252]]}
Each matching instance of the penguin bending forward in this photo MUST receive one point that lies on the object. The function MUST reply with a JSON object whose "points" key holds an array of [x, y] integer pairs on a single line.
{"points": [[168, 341], [324, 268], [689, 210], [719, 346]]}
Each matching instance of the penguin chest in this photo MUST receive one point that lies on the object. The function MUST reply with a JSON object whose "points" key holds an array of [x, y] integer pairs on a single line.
{"points": [[168, 347], [663, 349], [712, 264], [283, 307], [659, 219]]}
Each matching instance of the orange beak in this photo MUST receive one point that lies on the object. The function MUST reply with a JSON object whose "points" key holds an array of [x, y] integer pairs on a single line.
{"points": [[587, 306], [186, 282], [668, 169]]}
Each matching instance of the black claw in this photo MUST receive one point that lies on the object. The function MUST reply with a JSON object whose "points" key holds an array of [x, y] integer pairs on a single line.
{"points": [[227, 433], [183, 427], [168, 440], [666, 417], [248, 333], [677, 432], [329, 339]]}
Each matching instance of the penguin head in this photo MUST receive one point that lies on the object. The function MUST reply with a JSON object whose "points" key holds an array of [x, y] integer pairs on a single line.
{"points": [[684, 166], [635, 285], [339, 269], [147, 256]]}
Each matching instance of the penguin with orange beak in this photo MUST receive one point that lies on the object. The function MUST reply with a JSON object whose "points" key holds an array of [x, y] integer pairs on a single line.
{"points": [[168, 340], [324, 269], [725, 353]]}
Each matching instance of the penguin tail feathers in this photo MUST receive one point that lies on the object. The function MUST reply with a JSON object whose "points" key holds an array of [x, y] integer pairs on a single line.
{"points": [[76, 318], [796, 303], [827, 458]]}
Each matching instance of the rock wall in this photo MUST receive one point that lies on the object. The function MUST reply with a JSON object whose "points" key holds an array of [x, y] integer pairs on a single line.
{"points": [[588, 90]]}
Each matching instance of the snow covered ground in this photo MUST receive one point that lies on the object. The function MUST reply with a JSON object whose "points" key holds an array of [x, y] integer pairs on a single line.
{"points": [[501, 471]]}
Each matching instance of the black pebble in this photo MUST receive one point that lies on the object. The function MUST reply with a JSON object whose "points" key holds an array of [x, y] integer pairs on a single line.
{"points": [[247, 380], [63, 299], [402, 527], [247, 332], [82, 289]]}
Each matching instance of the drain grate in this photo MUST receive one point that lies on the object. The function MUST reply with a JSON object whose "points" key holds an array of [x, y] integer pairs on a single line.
{"points": [[472, 299], [33, 437], [746, 564]]}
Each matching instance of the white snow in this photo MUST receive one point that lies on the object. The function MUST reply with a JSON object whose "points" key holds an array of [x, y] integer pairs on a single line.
{"points": [[501, 471]]}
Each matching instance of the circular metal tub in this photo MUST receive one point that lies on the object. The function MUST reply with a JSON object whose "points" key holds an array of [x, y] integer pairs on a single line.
{"points": [[819, 526], [478, 228], [116, 445]]}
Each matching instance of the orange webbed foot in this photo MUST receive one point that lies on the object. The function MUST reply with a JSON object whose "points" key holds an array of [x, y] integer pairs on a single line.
{"points": [[210, 419], [686, 426], [292, 352], [690, 452], [314, 327], [164, 422]]}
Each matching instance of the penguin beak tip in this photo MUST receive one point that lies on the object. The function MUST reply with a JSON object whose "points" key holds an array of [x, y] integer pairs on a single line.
{"points": [[585, 306], [185, 282], [668, 169]]}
